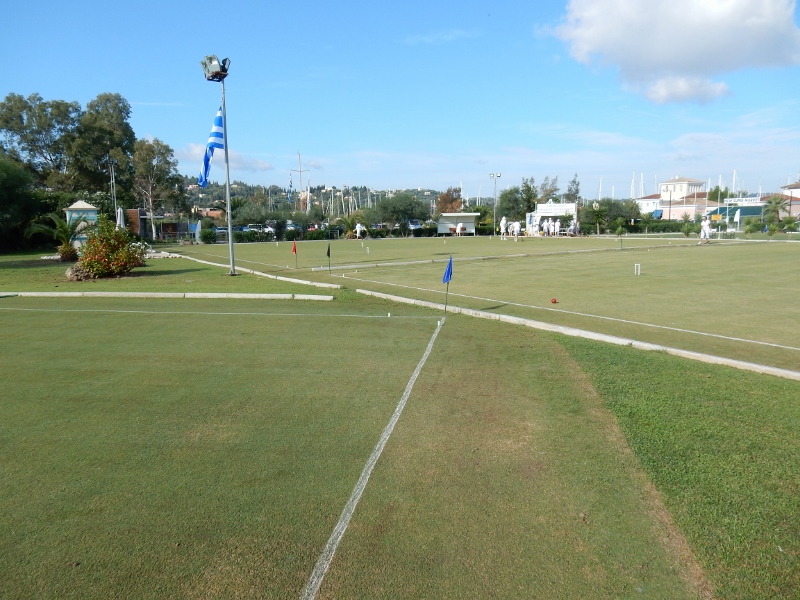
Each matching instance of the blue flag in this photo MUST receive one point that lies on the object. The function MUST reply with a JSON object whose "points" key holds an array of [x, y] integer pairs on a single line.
{"points": [[215, 140], [289, 196], [448, 272]]}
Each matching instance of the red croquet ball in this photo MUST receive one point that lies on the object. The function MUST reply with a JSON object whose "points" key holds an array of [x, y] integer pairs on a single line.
{"points": [[553, 300]]}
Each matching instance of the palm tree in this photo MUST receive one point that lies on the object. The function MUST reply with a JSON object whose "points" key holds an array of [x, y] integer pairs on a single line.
{"points": [[62, 232], [349, 223], [646, 220], [598, 215], [618, 226], [773, 207]]}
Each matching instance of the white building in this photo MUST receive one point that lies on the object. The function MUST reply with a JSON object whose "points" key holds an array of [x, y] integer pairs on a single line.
{"points": [[793, 193], [679, 188]]}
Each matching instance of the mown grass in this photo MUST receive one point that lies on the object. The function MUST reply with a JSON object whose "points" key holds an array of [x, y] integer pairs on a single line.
{"points": [[184, 455], [134, 472], [28, 272], [723, 447], [162, 455], [739, 293]]}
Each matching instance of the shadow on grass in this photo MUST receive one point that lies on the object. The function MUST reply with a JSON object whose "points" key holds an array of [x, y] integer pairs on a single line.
{"points": [[33, 264], [159, 273]]}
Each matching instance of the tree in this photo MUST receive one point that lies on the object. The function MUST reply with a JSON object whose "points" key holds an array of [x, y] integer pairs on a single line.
{"points": [[773, 207], [449, 201], [155, 174], [598, 214], [103, 136], [573, 193], [349, 223], [61, 231], [618, 226], [631, 209], [548, 190], [401, 208], [40, 132], [18, 204], [646, 221], [789, 224], [717, 195], [529, 193], [511, 204]]}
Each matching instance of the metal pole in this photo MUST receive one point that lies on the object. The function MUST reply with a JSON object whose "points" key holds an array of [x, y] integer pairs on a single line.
{"points": [[494, 207], [227, 180]]}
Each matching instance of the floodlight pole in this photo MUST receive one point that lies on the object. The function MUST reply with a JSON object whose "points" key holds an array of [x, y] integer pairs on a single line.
{"points": [[227, 180], [494, 176]]}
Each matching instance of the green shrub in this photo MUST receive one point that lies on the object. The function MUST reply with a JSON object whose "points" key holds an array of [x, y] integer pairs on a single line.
{"points": [[245, 237], [427, 231], [291, 235], [377, 233], [67, 253], [110, 251], [688, 229], [208, 236], [317, 234]]}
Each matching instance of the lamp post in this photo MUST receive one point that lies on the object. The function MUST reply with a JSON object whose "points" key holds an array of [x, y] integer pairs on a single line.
{"points": [[214, 70], [669, 215], [495, 177]]}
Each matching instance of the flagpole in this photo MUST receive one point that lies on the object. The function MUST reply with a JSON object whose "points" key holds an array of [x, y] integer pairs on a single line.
{"points": [[448, 275], [227, 181]]}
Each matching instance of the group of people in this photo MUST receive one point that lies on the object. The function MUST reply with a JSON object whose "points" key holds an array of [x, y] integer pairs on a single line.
{"points": [[550, 227], [507, 228]]}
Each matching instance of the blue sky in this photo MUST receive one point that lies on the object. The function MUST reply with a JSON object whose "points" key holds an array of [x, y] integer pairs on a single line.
{"points": [[438, 94]]}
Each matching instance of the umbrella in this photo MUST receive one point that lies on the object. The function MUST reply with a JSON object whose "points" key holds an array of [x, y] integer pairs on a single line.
{"points": [[197, 231], [120, 218]]}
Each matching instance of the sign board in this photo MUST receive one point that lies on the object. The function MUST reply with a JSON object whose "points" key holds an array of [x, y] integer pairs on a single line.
{"points": [[716, 217], [555, 210]]}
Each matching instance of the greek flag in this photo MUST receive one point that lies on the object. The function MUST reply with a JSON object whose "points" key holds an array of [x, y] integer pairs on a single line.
{"points": [[215, 140], [289, 197]]}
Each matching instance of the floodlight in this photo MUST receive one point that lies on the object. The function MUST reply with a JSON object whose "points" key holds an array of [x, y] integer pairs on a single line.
{"points": [[213, 70]]}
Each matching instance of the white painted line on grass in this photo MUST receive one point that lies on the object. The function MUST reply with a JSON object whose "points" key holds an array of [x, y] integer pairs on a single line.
{"points": [[600, 337], [580, 314], [324, 561], [204, 312]]}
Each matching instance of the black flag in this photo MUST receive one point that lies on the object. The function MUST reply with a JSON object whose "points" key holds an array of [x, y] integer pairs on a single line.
{"points": [[328, 253]]}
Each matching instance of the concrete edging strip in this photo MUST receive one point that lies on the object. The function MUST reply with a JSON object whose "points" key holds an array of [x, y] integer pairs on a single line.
{"points": [[600, 337], [156, 295]]}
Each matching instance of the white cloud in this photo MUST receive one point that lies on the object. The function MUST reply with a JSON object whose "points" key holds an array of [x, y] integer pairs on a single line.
{"points": [[681, 89], [670, 49], [195, 152]]}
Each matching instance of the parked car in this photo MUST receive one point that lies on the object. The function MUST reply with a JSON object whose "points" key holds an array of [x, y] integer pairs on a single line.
{"points": [[414, 224]]}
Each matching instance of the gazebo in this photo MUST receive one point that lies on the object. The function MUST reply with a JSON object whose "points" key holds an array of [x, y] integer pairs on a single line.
{"points": [[75, 212]]}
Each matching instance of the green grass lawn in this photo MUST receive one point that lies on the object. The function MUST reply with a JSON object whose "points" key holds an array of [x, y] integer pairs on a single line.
{"points": [[741, 293], [205, 448], [27, 272]]}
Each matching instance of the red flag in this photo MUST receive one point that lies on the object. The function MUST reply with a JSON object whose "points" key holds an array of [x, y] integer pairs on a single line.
{"points": [[294, 248]]}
